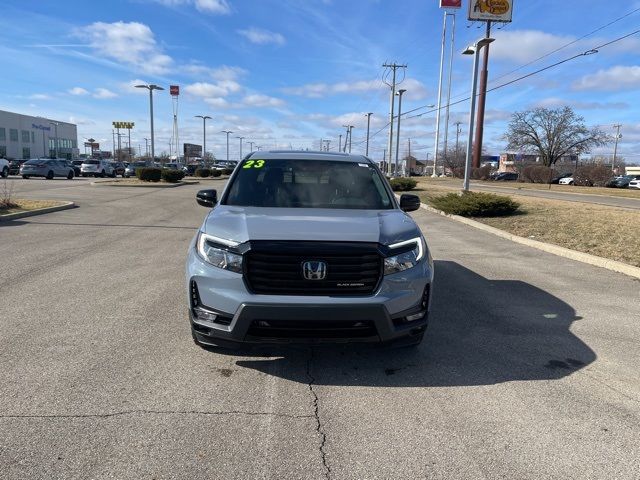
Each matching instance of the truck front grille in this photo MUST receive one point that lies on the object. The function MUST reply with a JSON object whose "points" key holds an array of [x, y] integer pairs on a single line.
{"points": [[276, 268]]}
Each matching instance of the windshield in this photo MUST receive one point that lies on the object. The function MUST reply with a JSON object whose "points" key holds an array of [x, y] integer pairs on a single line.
{"points": [[92, 162], [308, 184], [138, 164], [35, 161]]}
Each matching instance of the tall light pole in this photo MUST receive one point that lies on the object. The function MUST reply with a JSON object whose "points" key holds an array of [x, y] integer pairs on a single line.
{"points": [[204, 133], [146, 147], [241, 139], [151, 88], [228, 132], [368, 115], [251, 146], [55, 145], [399, 93], [475, 51]]}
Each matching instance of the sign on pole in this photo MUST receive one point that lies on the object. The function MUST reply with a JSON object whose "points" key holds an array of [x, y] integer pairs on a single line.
{"points": [[174, 90], [491, 10], [451, 3]]}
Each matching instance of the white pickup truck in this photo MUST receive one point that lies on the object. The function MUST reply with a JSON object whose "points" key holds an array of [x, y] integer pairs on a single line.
{"points": [[4, 167]]}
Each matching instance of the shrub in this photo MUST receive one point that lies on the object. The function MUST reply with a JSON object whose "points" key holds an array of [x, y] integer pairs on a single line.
{"points": [[592, 176], [536, 174], [227, 171], [172, 176], [481, 173], [474, 204], [202, 172], [149, 174], [215, 173], [403, 184]]}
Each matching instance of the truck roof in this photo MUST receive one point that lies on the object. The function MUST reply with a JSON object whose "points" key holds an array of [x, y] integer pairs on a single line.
{"points": [[309, 155]]}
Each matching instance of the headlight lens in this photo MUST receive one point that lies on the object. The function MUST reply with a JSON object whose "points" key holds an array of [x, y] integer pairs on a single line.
{"points": [[218, 255], [404, 261]]}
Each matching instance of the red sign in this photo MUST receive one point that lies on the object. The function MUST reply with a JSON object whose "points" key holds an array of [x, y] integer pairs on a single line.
{"points": [[451, 3], [174, 90]]}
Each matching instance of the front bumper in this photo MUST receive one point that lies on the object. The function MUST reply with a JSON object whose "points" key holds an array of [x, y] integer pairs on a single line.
{"points": [[399, 308]]}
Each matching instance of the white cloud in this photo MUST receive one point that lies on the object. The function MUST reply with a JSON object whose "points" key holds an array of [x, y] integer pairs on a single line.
{"points": [[555, 102], [216, 7], [131, 43], [39, 96], [258, 100], [78, 91], [130, 87], [615, 78], [521, 46], [204, 89], [218, 102], [262, 37], [103, 93], [415, 89]]}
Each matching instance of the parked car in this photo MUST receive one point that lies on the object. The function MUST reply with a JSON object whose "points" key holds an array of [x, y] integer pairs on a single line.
{"points": [[119, 168], [47, 168], [619, 182], [506, 177], [557, 179], [171, 166], [190, 169], [634, 183], [4, 167], [14, 166], [130, 170], [346, 264], [96, 168], [566, 181]]}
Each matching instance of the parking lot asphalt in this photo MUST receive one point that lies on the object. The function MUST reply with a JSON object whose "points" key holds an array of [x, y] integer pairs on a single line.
{"points": [[529, 369]]}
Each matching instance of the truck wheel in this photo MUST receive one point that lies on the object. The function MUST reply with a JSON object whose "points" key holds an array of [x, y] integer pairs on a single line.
{"points": [[49, 175], [5, 172], [26, 177]]}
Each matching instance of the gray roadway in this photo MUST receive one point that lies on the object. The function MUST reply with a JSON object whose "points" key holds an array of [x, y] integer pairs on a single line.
{"points": [[530, 368], [506, 187]]}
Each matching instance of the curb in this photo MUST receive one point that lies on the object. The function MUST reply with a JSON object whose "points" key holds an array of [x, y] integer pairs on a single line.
{"points": [[118, 184], [594, 260], [40, 211]]}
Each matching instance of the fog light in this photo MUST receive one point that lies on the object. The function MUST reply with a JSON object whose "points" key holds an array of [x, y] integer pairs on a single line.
{"points": [[205, 315], [415, 316]]}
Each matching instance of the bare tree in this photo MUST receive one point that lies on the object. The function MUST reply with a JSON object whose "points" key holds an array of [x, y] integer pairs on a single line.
{"points": [[553, 133]]}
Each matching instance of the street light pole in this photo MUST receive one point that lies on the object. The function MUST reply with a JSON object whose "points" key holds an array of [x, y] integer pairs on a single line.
{"points": [[241, 138], [251, 146], [151, 88], [228, 132], [475, 51], [368, 115], [204, 133], [615, 149], [399, 93]]}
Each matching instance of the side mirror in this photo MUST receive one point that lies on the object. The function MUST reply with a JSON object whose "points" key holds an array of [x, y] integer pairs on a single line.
{"points": [[409, 202], [207, 198]]}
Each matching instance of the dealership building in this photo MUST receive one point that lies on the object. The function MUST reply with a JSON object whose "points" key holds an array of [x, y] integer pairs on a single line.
{"points": [[24, 136]]}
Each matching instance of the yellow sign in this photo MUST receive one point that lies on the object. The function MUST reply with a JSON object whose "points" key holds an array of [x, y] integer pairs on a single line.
{"points": [[127, 125]]}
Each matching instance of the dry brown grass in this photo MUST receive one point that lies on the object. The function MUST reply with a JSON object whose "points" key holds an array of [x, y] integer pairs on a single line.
{"points": [[426, 182], [600, 230], [27, 205]]}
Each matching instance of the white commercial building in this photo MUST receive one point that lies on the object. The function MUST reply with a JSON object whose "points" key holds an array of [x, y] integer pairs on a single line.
{"points": [[24, 136]]}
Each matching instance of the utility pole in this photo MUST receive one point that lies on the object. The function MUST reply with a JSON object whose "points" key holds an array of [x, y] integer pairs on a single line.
{"points": [[368, 115], [408, 167], [346, 138], [482, 98], [393, 67], [458, 132], [615, 150], [113, 140], [400, 93], [351, 127], [251, 146], [241, 138], [146, 147], [340, 143]]}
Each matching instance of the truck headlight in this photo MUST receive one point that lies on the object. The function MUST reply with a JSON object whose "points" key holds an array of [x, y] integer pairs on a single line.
{"points": [[218, 254], [405, 260]]}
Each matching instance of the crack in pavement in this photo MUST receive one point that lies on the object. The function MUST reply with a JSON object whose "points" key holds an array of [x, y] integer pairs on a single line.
{"points": [[160, 412], [319, 429]]}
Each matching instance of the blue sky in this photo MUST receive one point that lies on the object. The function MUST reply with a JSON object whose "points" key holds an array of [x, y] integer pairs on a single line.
{"points": [[287, 73]]}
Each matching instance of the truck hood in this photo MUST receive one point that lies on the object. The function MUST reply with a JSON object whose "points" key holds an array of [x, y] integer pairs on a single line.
{"points": [[241, 224]]}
